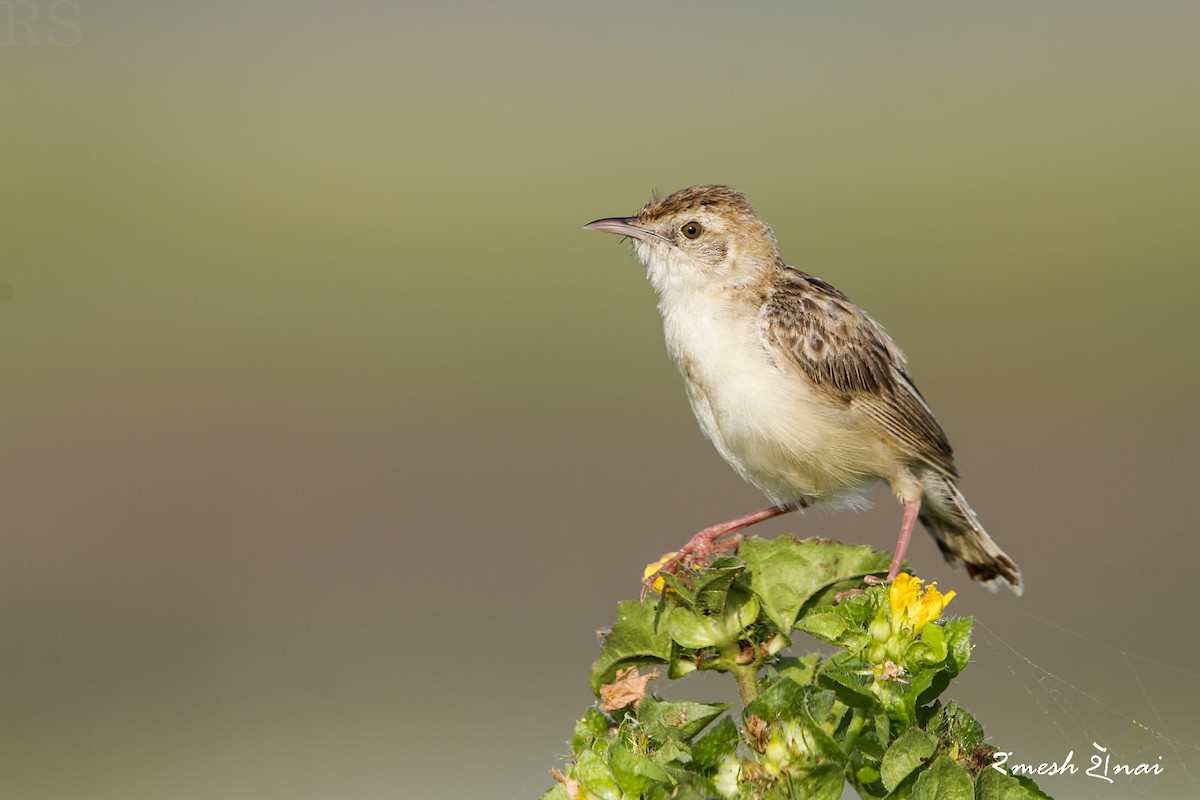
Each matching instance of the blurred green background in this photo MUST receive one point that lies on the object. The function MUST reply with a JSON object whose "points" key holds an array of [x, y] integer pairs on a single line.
{"points": [[328, 439]]}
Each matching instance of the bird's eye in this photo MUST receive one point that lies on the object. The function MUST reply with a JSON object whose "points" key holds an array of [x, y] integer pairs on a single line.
{"points": [[692, 230]]}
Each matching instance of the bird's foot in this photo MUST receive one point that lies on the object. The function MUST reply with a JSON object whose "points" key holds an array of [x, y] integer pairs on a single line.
{"points": [[875, 580], [706, 544], [696, 553], [710, 541]]}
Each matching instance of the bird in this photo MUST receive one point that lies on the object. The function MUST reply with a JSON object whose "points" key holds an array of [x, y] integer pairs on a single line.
{"points": [[801, 391]]}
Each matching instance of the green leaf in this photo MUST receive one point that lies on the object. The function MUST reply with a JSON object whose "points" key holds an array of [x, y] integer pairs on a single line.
{"points": [[786, 573], [694, 789], [905, 755], [637, 638], [692, 630], [821, 713], [822, 782], [944, 779], [558, 792], [594, 775], [934, 638], [848, 686], [635, 772], [825, 623], [781, 700], [680, 721], [928, 651], [923, 687], [883, 729], [800, 670], [696, 630], [719, 742], [959, 728], [704, 589], [668, 750], [958, 642], [1032, 788], [860, 609], [995, 785], [713, 583], [867, 774], [823, 708], [682, 663], [591, 726]]}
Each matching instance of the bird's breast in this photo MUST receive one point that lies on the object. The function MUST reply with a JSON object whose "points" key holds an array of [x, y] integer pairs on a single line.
{"points": [[768, 421]]}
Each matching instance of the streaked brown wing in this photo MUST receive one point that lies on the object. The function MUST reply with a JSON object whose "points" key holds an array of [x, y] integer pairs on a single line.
{"points": [[849, 355]]}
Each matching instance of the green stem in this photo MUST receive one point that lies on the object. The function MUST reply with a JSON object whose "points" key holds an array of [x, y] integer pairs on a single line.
{"points": [[853, 730], [746, 675]]}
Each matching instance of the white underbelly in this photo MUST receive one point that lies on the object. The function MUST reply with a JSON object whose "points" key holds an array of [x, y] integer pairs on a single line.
{"points": [[769, 422]]}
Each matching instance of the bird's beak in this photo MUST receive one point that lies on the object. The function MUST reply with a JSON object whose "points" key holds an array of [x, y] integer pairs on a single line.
{"points": [[622, 226]]}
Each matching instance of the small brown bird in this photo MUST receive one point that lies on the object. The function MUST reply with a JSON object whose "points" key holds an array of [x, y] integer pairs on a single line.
{"points": [[802, 393]]}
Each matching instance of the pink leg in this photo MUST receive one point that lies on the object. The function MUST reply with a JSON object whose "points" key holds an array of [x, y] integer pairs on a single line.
{"points": [[911, 509], [705, 543]]}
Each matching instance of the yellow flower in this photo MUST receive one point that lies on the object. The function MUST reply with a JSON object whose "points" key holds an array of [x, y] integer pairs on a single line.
{"points": [[910, 607], [653, 570], [930, 608], [905, 590]]}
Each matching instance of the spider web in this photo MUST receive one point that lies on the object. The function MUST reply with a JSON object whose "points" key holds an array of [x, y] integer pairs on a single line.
{"points": [[1151, 717]]}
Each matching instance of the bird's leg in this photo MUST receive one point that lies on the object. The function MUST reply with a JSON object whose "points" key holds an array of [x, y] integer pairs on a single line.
{"points": [[712, 540], [911, 509], [705, 543]]}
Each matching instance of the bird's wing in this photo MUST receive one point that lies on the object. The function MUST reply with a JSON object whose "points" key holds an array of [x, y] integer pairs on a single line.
{"points": [[811, 325]]}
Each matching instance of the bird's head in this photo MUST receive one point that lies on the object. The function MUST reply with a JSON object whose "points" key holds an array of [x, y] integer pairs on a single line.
{"points": [[703, 237]]}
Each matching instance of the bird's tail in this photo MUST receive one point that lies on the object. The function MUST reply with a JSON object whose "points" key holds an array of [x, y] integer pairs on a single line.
{"points": [[960, 537]]}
